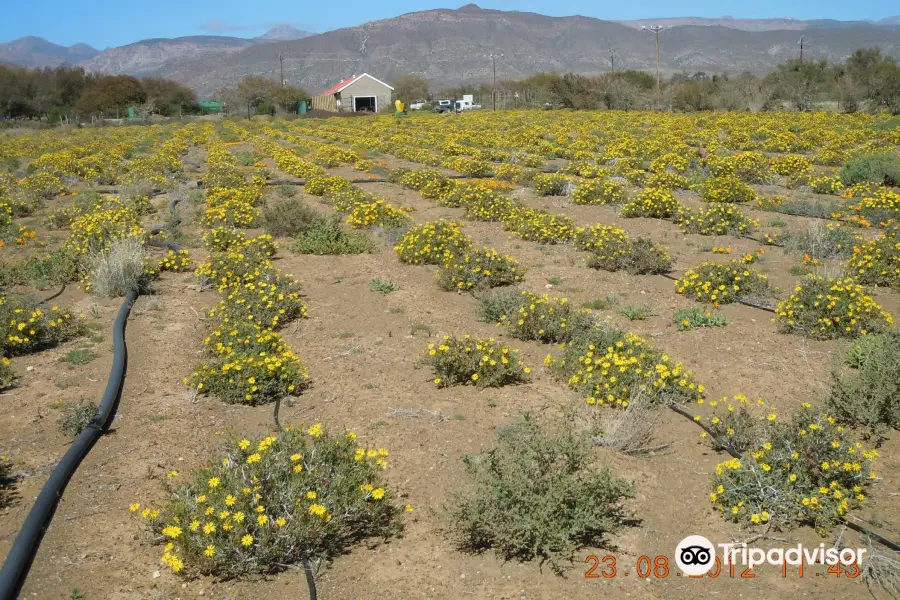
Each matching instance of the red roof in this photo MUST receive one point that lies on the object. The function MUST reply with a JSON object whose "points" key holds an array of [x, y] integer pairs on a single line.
{"points": [[336, 87]]}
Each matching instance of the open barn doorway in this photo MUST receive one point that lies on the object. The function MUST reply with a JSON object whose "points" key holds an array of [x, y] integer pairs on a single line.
{"points": [[365, 103]]}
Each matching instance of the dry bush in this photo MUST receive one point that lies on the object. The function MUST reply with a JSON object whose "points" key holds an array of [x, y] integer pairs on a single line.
{"points": [[882, 570], [630, 431], [119, 270]]}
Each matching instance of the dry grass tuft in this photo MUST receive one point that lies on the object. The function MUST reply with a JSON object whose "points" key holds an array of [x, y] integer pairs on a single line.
{"points": [[119, 270]]}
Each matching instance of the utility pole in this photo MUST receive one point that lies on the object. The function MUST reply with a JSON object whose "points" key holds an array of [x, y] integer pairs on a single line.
{"points": [[281, 60], [801, 48], [656, 30], [612, 59], [494, 58]]}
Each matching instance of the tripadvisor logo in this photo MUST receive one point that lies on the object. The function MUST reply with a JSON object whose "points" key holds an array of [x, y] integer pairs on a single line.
{"points": [[696, 555]]}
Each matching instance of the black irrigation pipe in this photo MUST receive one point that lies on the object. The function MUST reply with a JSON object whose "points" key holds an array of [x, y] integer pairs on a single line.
{"points": [[735, 454], [765, 308], [21, 555], [54, 296]]}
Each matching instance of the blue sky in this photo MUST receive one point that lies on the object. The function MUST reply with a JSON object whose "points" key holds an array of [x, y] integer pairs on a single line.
{"points": [[104, 23]]}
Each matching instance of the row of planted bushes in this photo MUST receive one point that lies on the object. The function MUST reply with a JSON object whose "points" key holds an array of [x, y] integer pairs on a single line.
{"points": [[302, 496]]}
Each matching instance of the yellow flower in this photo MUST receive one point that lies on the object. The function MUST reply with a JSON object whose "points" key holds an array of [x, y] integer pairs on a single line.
{"points": [[378, 493], [210, 551], [247, 540], [213, 482], [134, 507]]}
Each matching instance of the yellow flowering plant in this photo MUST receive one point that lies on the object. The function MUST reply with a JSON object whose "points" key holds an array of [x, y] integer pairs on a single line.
{"points": [[718, 283], [614, 250], [479, 269], [539, 225], [7, 377], [808, 470], [652, 203], [265, 504], [432, 243], [718, 219], [877, 262], [599, 191], [480, 362], [175, 262], [726, 189], [551, 184], [545, 319], [824, 308], [25, 328], [608, 367]]}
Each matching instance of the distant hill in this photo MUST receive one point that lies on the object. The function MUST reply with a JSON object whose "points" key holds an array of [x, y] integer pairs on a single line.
{"points": [[762, 24], [33, 51], [148, 56], [283, 33], [451, 46]]}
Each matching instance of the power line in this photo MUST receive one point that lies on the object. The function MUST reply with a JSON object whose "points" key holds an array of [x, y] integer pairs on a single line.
{"points": [[656, 29], [494, 58]]}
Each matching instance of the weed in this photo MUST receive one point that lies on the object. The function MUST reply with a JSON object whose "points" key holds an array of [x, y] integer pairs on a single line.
{"points": [[326, 235], [693, 318], [882, 168], [287, 191], [417, 328], [798, 271], [75, 417], [493, 305], [637, 313], [868, 395], [554, 281], [777, 223], [383, 286], [819, 241], [288, 217], [535, 494], [81, 356], [602, 304], [396, 310]]}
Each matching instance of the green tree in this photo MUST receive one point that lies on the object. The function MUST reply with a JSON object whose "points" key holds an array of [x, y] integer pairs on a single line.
{"points": [[409, 88], [800, 82], [169, 97]]}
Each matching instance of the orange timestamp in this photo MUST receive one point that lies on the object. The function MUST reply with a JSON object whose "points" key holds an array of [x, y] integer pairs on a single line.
{"points": [[607, 567]]}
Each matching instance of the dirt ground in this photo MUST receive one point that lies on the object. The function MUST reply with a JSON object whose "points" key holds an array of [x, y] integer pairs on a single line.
{"points": [[361, 349]]}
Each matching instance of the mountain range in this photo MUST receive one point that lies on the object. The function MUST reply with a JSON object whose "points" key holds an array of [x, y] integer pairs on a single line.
{"points": [[449, 47]]}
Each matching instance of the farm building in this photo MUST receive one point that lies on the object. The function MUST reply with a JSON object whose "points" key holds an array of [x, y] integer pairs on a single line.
{"points": [[358, 93]]}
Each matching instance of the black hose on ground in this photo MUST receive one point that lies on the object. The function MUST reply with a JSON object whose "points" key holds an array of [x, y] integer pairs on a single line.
{"points": [[21, 555], [54, 296], [310, 579]]}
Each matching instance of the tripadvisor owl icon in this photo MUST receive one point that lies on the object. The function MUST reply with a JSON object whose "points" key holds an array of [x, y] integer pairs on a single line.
{"points": [[695, 555]]}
